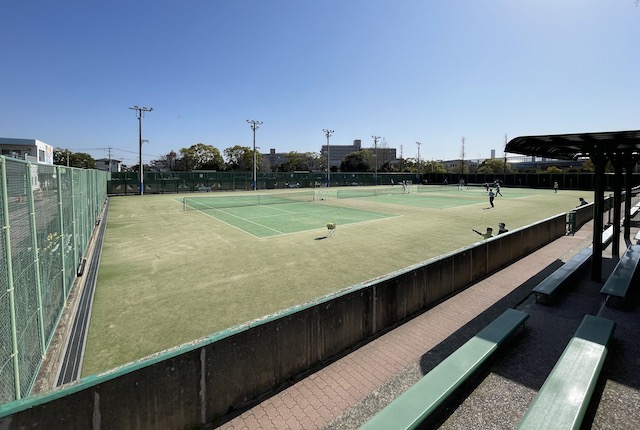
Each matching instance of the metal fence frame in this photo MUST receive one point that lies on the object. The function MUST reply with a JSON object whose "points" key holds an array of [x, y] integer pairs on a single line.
{"points": [[48, 214]]}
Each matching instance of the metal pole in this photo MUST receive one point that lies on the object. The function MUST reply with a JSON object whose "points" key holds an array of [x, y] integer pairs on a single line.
{"points": [[375, 156], [140, 114], [140, 165], [63, 254], [36, 258], [10, 287], [254, 126], [418, 143], [328, 133]]}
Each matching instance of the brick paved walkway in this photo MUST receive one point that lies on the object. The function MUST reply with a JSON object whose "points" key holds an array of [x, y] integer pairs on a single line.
{"points": [[324, 396]]}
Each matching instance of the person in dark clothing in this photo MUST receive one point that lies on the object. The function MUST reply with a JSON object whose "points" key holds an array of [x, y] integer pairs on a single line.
{"points": [[491, 196]]}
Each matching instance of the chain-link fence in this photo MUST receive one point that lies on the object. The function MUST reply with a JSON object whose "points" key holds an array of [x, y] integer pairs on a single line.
{"points": [[124, 183], [48, 214]]}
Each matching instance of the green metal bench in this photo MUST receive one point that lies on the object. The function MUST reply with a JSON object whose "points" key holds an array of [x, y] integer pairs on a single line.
{"points": [[564, 397], [418, 402], [607, 235], [618, 283], [552, 283]]}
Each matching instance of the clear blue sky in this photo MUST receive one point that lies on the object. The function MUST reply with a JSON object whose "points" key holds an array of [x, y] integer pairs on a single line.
{"points": [[431, 71]]}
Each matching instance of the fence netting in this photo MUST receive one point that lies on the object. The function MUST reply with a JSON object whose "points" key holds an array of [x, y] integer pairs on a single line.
{"points": [[48, 214]]}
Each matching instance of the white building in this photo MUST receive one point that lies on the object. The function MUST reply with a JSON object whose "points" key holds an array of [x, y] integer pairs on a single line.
{"points": [[108, 164], [23, 148]]}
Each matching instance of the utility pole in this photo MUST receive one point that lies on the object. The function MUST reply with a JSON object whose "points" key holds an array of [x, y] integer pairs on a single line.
{"points": [[254, 126], [140, 114], [328, 133], [375, 157], [109, 153]]}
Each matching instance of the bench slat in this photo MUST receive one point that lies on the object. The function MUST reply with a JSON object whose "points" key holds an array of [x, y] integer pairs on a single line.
{"points": [[607, 235], [552, 282], [564, 397], [419, 401], [619, 281]]}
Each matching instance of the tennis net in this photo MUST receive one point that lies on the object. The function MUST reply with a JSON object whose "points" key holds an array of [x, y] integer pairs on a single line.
{"points": [[221, 202], [372, 192]]}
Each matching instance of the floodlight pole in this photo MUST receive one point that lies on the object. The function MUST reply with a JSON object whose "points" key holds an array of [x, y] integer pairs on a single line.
{"points": [[140, 114], [328, 133], [254, 126], [418, 143], [375, 156]]}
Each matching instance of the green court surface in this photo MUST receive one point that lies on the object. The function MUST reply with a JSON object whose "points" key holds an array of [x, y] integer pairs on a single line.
{"points": [[171, 273], [265, 216]]}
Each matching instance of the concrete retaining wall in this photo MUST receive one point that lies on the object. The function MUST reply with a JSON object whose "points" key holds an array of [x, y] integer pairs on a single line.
{"points": [[196, 383]]}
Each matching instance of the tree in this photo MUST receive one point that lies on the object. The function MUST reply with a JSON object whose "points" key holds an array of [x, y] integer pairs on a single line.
{"points": [[82, 160], [241, 158], [307, 161], [493, 166], [553, 169], [60, 157], [409, 165], [358, 161], [387, 166], [434, 167], [314, 160], [168, 161], [63, 157], [136, 168], [201, 156], [295, 161]]}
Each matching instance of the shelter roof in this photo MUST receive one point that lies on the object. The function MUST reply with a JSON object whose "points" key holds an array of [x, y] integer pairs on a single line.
{"points": [[572, 146]]}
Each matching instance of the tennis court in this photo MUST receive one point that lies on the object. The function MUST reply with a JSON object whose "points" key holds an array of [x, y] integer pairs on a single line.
{"points": [[169, 275], [431, 196], [267, 215]]}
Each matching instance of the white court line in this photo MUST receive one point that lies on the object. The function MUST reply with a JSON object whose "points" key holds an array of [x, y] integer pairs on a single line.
{"points": [[279, 209], [297, 213], [280, 233], [248, 220], [231, 225]]}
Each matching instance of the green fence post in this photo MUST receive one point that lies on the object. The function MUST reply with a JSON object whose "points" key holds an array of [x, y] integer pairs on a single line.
{"points": [[571, 222], [74, 223], [10, 291], [63, 259], [36, 257]]}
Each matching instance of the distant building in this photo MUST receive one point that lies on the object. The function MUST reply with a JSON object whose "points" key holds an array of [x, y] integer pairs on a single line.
{"points": [[166, 163], [273, 160], [337, 153], [454, 165], [22, 148], [108, 164], [540, 163]]}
